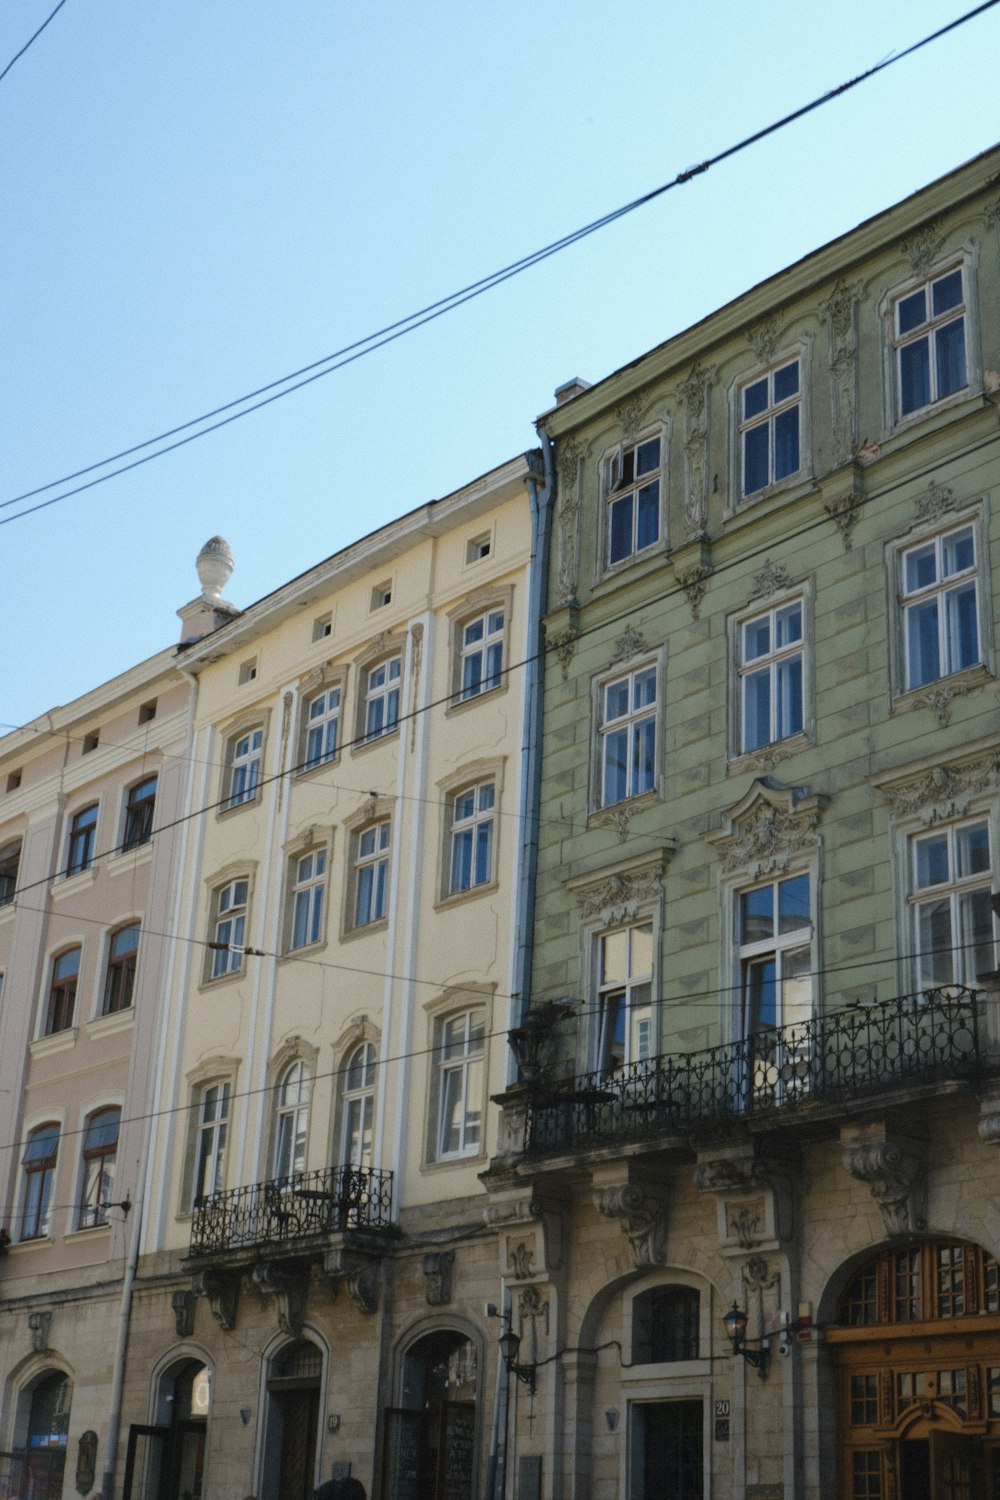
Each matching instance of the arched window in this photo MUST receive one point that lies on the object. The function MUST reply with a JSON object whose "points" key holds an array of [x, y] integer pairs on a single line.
{"points": [[359, 1107], [100, 1152], [917, 1283], [665, 1325], [62, 992], [39, 1163], [292, 1422], [119, 977], [292, 1121], [47, 1435]]}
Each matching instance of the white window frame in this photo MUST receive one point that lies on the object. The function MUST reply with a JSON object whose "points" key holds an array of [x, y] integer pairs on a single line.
{"points": [[292, 1099], [322, 720], [357, 1108], [137, 822], [955, 891], [772, 661], [371, 871], [636, 1011], [945, 589], [43, 1207], [230, 911], [459, 1083], [381, 700], [471, 830], [210, 1138], [307, 897], [766, 419], [619, 483], [94, 1195], [485, 653], [245, 761], [927, 333], [606, 728], [779, 946]]}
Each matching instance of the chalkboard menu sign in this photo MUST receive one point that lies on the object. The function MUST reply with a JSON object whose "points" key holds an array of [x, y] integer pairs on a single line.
{"points": [[402, 1454], [459, 1446]]}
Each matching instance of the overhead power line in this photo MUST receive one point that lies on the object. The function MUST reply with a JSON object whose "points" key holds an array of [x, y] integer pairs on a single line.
{"points": [[286, 385], [31, 39]]}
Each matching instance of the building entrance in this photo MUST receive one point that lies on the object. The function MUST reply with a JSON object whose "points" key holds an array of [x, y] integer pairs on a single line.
{"points": [[430, 1441]]}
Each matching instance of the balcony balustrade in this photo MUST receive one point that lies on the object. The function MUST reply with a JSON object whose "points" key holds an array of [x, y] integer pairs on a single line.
{"points": [[866, 1050], [305, 1205]]}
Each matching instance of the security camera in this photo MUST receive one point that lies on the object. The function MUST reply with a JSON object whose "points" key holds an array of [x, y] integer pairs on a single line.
{"points": [[785, 1348]]}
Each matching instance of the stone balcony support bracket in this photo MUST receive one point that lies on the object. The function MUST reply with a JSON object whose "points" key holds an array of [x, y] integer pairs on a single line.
{"points": [[755, 1197], [289, 1282], [530, 1224], [895, 1169], [222, 1289], [640, 1204], [356, 1269]]}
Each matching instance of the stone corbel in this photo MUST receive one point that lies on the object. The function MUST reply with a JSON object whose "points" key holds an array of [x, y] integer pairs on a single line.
{"points": [[894, 1167], [641, 1208], [438, 1267], [40, 1324], [513, 1125], [531, 1229], [183, 1304], [222, 1288], [358, 1271], [845, 512], [288, 1281], [755, 1197]]}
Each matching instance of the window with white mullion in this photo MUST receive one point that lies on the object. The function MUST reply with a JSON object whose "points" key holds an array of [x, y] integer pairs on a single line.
{"points": [[372, 874], [357, 1134], [624, 999], [382, 698], [322, 728], [770, 428], [771, 699], [460, 1084], [292, 1122], [482, 654], [472, 837], [929, 331], [951, 882], [244, 772], [941, 606], [775, 955], [627, 736], [230, 928], [210, 1145], [632, 483], [308, 898]]}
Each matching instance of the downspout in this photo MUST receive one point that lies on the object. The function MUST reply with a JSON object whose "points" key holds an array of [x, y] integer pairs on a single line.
{"points": [[118, 1374], [540, 499]]}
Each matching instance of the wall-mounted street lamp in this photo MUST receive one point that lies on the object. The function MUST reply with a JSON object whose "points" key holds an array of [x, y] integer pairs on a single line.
{"points": [[736, 1328], [510, 1344]]}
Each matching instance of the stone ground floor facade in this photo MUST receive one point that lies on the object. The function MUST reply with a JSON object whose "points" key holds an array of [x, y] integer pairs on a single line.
{"points": [[861, 1246]]}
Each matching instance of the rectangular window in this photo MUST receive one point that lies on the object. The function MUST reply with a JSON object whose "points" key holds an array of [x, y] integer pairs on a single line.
{"points": [[322, 728], [382, 697], [951, 881], [39, 1165], [119, 979], [62, 992], [210, 1144], [472, 837], [632, 485], [10, 861], [481, 654], [371, 874], [770, 420], [245, 754], [930, 349], [82, 836], [139, 807], [771, 654], [229, 929], [308, 898], [940, 593], [100, 1151], [624, 1002], [460, 1067], [775, 936], [627, 736]]}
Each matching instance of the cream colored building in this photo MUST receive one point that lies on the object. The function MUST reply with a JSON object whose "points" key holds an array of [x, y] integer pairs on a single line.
{"points": [[89, 797], [315, 1260]]}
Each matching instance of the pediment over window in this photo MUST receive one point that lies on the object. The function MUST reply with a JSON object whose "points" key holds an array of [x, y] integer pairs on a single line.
{"points": [[617, 895], [768, 828]]}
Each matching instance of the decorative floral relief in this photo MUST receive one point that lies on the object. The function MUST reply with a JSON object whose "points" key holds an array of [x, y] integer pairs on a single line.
{"points": [[630, 643], [562, 644], [938, 500], [694, 582], [630, 414], [772, 578], [845, 513], [694, 393], [922, 247], [763, 337], [769, 827], [945, 792], [619, 898]]}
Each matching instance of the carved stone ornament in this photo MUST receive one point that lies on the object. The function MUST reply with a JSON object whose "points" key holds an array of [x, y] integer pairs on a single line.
{"points": [[183, 1304], [357, 1271], [438, 1266], [547, 1213], [937, 502], [845, 513], [838, 312], [939, 701], [989, 1120], [772, 578], [630, 414], [618, 818], [630, 643], [619, 898], [643, 1219], [745, 1222], [39, 1325], [896, 1173], [694, 394], [512, 1128], [416, 661], [569, 455], [944, 792], [86, 1462], [694, 582], [533, 1312], [992, 215], [222, 1290], [767, 829], [726, 1173], [562, 644], [379, 642], [763, 337], [288, 1281], [521, 1259], [763, 760], [922, 247]]}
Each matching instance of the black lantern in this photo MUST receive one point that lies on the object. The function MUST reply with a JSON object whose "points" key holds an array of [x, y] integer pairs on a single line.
{"points": [[510, 1344], [735, 1323]]}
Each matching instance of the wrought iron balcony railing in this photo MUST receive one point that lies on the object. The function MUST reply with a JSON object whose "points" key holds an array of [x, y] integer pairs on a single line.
{"points": [[307, 1204], [849, 1053]]}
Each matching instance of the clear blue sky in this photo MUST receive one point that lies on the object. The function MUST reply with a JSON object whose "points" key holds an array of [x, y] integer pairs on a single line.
{"points": [[198, 197]]}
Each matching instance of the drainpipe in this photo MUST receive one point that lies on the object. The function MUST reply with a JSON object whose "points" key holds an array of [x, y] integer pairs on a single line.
{"points": [[118, 1374]]}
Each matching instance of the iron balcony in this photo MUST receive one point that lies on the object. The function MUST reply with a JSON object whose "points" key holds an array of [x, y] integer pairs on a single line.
{"points": [[306, 1205]]}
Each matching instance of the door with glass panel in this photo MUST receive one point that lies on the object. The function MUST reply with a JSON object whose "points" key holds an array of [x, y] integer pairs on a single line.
{"points": [[776, 988]]}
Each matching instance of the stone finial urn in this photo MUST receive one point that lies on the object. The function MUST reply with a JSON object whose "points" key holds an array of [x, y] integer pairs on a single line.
{"points": [[215, 566]]}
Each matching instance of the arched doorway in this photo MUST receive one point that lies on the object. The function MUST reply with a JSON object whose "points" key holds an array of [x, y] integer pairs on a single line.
{"points": [[431, 1437], [916, 1352], [46, 1436], [166, 1460], [294, 1379]]}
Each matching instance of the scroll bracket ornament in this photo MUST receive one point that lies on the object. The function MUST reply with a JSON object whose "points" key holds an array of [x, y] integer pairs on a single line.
{"points": [[358, 1271], [641, 1209], [894, 1168], [222, 1291], [438, 1266], [767, 829], [289, 1283]]}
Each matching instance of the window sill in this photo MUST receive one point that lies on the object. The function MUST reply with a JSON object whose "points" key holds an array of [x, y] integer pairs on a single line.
{"points": [[119, 1020], [305, 772], [967, 397], [72, 885], [127, 860], [938, 695], [766, 757], [231, 809], [458, 704], [59, 1041], [792, 488], [218, 980], [459, 898], [451, 1163], [658, 551], [305, 950], [39, 1242], [613, 814], [88, 1232], [350, 933], [362, 746]]}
